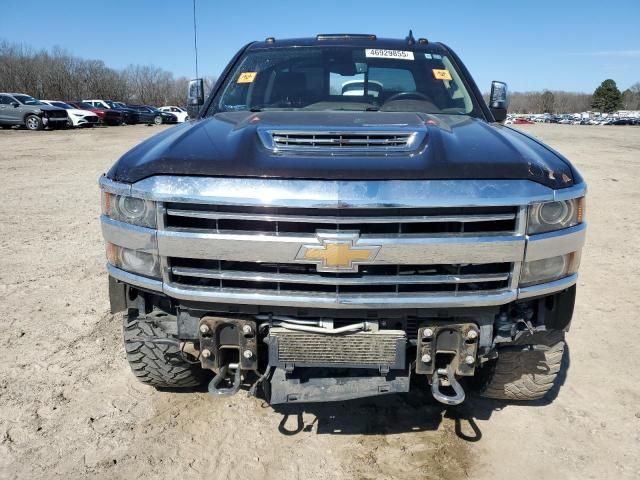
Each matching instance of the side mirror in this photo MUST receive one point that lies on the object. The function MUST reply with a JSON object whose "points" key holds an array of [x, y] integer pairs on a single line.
{"points": [[15, 104], [498, 102], [195, 95]]}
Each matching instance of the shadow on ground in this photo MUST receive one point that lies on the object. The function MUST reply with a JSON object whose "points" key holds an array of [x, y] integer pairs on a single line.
{"points": [[411, 412]]}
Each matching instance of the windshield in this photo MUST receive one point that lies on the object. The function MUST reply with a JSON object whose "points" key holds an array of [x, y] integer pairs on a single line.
{"points": [[27, 100], [344, 78]]}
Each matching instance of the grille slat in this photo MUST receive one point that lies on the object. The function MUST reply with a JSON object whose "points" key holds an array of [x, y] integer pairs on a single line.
{"points": [[391, 279], [340, 220], [329, 280], [367, 221]]}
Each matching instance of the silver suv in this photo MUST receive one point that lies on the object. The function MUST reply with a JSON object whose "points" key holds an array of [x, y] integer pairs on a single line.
{"points": [[21, 109]]}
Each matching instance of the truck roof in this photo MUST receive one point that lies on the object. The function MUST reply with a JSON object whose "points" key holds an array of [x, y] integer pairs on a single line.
{"points": [[357, 40]]}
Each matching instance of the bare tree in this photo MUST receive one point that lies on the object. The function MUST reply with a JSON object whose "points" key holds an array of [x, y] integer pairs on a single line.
{"points": [[56, 74]]}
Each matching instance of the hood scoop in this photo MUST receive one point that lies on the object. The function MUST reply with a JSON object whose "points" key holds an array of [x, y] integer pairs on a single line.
{"points": [[342, 142]]}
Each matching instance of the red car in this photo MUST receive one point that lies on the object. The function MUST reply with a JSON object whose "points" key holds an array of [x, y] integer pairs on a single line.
{"points": [[106, 116], [521, 121]]}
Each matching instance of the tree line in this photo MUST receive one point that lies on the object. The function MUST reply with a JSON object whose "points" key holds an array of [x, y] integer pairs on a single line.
{"points": [[57, 75], [606, 98]]}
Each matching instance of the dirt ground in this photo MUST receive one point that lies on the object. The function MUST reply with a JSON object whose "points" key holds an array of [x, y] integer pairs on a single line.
{"points": [[70, 408]]}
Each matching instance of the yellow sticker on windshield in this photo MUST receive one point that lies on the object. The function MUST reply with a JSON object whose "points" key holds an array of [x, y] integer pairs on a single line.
{"points": [[443, 74], [247, 77]]}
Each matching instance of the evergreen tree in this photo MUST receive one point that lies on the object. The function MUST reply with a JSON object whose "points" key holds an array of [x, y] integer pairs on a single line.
{"points": [[547, 101], [607, 98]]}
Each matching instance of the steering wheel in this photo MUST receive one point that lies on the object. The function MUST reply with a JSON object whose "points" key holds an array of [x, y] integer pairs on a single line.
{"points": [[405, 95]]}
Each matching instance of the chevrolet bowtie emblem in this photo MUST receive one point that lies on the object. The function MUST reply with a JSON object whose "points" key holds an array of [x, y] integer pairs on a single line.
{"points": [[337, 252]]}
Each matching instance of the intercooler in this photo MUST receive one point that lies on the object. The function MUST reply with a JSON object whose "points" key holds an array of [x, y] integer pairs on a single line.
{"points": [[383, 350]]}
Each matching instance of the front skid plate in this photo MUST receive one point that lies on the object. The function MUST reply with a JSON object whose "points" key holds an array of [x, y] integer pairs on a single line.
{"points": [[289, 389]]}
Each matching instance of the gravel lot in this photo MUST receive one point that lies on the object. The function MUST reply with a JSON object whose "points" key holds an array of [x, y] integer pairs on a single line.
{"points": [[70, 408]]}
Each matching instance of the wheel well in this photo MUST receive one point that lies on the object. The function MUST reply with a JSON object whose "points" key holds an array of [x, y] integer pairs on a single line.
{"points": [[24, 119]]}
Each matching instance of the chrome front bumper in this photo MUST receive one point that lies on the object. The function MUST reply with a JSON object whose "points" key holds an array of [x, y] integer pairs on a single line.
{"points": [[245, 247]]}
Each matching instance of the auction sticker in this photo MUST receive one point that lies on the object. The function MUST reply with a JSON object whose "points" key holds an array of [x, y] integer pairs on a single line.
{"points": [[247, 77], [395, 54], [441, 74]]}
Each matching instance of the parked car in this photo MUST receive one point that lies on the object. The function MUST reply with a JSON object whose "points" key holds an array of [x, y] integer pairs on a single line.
{"points": [[24, 110], [521, 121], [77, 117], [153, 115], [180, 113], [106, 116], [621, 121], [166, 117], [131, 116]]}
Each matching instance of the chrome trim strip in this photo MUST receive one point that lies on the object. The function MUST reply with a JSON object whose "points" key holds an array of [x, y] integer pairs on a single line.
{"points": [[339, 220], [552, 244], [341, 301], [547, 288], [112, 186], [521, 229], [344, 194], [133, 279], [252, 297], [161, 216], [324, 280], [129, 236], [398, 249], [576, 191]]}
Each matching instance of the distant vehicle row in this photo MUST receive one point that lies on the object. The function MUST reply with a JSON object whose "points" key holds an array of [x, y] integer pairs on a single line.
{"points": [[17, 109], [571, 120]]}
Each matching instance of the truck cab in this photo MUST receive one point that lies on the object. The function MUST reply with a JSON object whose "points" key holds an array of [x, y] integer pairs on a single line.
{"points": [[346, 214]]}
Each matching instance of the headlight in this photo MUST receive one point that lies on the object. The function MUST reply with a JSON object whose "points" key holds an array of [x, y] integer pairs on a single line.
{"points": [[549, 269], [136, 211], [135, 261], [548, 216], [78, 114]]}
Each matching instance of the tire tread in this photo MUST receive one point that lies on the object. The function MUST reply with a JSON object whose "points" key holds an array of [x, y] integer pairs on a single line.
{"points": [[148, 361], [527, 374]]}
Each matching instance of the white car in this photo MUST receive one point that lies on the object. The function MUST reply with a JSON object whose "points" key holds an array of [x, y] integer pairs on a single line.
{"points": [[77, 117], [98, 104], [182, 114]]}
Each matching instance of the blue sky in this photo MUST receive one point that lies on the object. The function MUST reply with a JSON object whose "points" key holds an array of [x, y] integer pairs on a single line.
{"points": [[558, 45]]}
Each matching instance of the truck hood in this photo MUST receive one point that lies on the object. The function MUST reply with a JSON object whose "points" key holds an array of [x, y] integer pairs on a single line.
{"points": [[454, 147]]}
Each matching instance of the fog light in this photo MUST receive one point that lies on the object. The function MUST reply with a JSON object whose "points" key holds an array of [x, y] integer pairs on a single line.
{"points": [[135, 261], [549, 269]]}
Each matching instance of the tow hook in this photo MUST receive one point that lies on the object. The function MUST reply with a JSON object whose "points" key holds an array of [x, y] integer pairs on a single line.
{"points": [[450, 378], [221, 376]]}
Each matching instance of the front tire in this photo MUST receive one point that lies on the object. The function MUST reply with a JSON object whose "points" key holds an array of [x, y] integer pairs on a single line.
{"points": [[530, 373], [157, 120], [33, 122], [159, 365]]}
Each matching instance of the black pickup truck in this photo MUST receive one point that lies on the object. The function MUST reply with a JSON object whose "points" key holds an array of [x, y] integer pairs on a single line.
{"points": [[345, 215]]}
